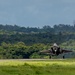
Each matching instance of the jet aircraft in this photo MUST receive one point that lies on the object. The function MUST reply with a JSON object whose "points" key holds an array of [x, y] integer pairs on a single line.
{"points": [[55, 50]]}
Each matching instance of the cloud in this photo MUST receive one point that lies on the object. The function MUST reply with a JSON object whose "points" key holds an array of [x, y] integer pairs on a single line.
{"points": [[36, 12]]}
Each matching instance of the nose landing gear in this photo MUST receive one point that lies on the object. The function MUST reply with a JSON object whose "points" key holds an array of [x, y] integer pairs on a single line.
{"points": [[49, 57], [63, 57]]}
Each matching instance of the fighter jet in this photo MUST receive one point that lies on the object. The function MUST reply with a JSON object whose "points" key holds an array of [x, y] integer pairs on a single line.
{"points": [[55, 50]]}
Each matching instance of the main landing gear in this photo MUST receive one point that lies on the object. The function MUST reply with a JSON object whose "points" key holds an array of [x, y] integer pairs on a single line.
{"points": [[49, 57], [63, 57]]}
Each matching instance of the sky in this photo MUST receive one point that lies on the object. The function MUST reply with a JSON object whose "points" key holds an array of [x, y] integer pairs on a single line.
{"points": [[37, 13]]}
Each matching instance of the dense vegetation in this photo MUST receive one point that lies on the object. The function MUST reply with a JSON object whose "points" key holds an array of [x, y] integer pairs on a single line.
{"points": [[26, 42], [44, 29], [45, 35]]}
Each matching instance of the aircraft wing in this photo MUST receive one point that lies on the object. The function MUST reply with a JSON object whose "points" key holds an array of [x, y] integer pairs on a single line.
{"points": [[45, 51], [66, 51], [49, 52]]}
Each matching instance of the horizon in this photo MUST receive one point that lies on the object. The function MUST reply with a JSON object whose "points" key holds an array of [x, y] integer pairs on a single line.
{"points": [[36, 27]]}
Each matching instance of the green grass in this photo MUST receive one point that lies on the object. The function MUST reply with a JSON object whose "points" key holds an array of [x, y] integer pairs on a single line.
{"points": [[37, 67]]}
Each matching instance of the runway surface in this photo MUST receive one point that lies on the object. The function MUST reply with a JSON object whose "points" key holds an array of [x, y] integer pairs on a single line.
{"points": [[30, 59]]}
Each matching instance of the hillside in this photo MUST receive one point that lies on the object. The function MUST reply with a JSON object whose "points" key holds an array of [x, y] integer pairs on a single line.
{"points": [[29, 35], [55, 29], [22, 42]]}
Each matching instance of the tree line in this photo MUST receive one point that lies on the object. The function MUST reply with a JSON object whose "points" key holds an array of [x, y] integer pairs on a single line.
{"points": [[21, 51], [30, 39], [26, 42], [44, 29]]}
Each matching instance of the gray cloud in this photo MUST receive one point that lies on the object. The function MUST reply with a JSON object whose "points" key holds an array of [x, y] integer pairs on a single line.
{"points": [[37, 12]]}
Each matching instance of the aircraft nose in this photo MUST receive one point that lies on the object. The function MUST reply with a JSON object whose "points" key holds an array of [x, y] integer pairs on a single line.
{"points": [[55, 50]]}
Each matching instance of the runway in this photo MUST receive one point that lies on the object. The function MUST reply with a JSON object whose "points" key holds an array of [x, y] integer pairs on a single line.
{"points": [[29, 59]]}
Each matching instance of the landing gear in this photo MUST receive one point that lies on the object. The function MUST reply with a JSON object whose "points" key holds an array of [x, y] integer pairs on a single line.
{"points": [[49, 57], [63, 57]]}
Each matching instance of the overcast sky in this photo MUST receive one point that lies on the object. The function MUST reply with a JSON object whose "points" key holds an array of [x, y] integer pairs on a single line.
{"points": [[37, 13]]}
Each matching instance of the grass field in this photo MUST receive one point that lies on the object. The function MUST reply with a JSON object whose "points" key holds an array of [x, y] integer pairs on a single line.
{"points": [[37, 67]]}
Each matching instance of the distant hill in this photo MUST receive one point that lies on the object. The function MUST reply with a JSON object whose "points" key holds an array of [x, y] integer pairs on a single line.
{"points": [[25, 42], [55, 29], [46, 35]]}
